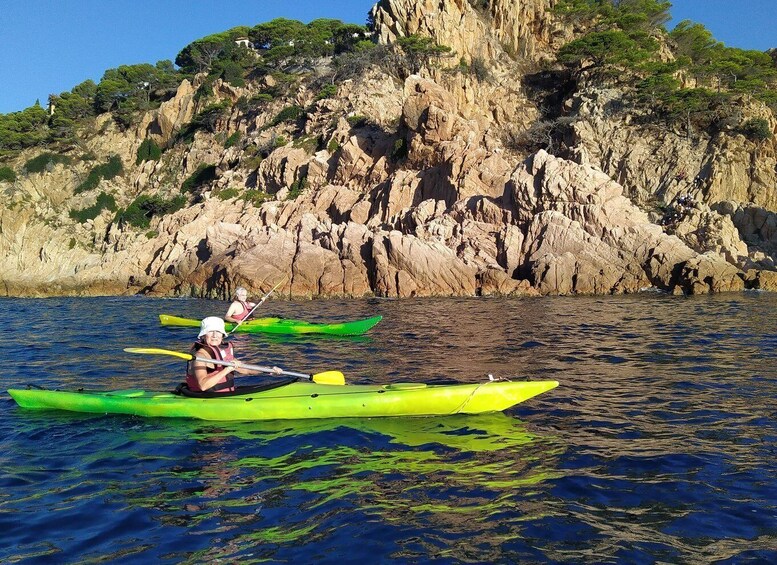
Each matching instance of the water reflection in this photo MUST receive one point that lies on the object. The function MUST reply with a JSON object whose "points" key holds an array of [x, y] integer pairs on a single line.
{"points": [[296, 478]]}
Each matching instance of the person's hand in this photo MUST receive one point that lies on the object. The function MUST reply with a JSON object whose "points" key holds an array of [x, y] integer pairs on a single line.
{"points": [[236, 365], [277, 370]]}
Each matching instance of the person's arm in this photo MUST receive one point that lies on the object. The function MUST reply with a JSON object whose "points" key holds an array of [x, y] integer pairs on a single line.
{"points": [[234, 308], [201, 372]]}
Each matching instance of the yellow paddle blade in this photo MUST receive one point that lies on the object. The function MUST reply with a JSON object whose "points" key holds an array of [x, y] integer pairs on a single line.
{"points": [[329, 378], [155, 351]]}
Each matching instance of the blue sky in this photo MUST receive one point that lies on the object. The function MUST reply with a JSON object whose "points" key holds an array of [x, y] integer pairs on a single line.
{"points": [[748, 24], [49, 46]]}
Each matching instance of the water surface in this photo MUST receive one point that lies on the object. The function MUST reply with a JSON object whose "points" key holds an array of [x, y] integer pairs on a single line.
{"points": [[658, 445]]}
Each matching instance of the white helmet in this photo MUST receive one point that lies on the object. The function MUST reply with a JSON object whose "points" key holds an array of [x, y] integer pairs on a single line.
{"points": [[212, 324]]}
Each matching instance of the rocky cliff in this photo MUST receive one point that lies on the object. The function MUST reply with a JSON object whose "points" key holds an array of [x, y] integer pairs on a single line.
{"points": [[409, 188]]}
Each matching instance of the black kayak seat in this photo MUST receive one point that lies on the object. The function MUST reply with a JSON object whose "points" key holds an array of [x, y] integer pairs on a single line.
{"points": [[183, 390]]}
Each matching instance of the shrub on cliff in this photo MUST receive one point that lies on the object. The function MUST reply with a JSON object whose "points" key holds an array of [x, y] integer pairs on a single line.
{"points": [[233, 139], [297, 187], [148, 151], [207, 119], [107, 171], [288, 114], [46, 162], [756, 129], [203, 175], [328, 91], [104, 202], [7, 174], [144, 207]]}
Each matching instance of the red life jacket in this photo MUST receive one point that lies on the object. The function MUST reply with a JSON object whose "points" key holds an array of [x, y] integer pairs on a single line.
{"points": [[226, 384], [244, 313]]}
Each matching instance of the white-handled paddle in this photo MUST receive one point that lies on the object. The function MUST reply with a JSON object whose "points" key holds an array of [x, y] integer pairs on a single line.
{"points": [[265, 297], [325, 378]]}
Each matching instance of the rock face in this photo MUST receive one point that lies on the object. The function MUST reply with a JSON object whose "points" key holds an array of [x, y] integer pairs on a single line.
{"points": [[421, 199], [524, 29]]}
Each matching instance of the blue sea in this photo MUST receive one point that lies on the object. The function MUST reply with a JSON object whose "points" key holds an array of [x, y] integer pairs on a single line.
{"points": [[658, 446]]}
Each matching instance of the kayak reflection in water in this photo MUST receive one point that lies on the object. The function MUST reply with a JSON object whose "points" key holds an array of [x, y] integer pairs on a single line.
{"points": [[206, 377], [240, 308]]}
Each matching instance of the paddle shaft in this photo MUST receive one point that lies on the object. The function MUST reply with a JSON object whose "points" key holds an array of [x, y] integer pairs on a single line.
{"points": [[326, 378], [252, 367], [265, 297]]}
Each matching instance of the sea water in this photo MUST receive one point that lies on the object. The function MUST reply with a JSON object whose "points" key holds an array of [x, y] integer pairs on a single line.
{"points": [[659, 445]]}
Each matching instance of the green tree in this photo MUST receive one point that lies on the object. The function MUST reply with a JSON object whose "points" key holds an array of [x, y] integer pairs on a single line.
{"points": [[7, 174], [148, 151], [694, 41], [86, 90], [200, 55], [598, 50], [145, 207], [27, 128], [419, 51], [290, 45], [639, 15], [346, 37], [756, 129], [104, 202], [129, 87], [110, 93]]}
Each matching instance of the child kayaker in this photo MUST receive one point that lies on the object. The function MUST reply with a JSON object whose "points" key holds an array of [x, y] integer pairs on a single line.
{"points": [[240, 308], [206, 377]]}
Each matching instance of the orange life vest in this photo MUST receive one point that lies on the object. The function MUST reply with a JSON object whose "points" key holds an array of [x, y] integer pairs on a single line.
{"points": [[242, 314], [226, 384]]}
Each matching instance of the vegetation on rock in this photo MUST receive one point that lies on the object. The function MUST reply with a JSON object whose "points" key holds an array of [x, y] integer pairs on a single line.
{"points": [[232, 100]]}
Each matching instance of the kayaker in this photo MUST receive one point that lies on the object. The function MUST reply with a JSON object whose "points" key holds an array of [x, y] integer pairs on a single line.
{"points": [[210, 344], [240, 308]]}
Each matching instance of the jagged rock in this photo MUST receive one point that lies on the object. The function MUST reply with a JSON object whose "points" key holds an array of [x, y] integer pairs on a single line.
{"points": [[282, 169], [761, 280], [564, 259], [709, 273], [496, 281], [526, 28], [171, 116], [406, 266], [415, 193], [705, 230], [361, 160]]}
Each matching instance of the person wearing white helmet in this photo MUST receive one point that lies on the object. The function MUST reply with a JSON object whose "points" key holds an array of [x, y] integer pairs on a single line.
{"points": [[240, 307], [202, 376]]}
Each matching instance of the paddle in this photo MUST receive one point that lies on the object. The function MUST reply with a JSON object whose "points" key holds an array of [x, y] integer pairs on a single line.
{"points": [[325, 378], [265, 297]]}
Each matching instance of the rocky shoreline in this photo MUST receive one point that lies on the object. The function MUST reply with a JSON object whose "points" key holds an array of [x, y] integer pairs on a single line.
{"points": [[421, 199]]}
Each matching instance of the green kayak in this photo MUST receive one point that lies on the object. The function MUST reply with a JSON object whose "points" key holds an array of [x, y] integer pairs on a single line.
{"points": [[283, 326], [295, 400]]}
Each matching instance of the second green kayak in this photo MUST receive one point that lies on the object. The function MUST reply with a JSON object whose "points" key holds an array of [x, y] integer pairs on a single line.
{"points": [[283, 326]]}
